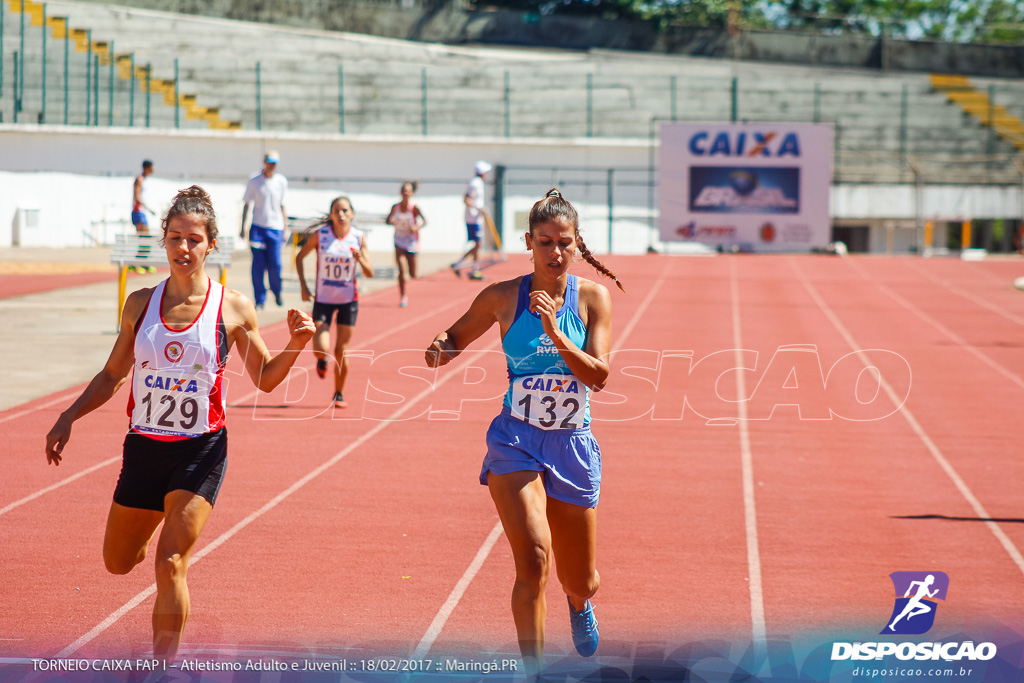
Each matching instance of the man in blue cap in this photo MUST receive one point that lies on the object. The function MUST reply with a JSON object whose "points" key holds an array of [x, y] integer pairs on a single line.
{"points": [[266, 191]]}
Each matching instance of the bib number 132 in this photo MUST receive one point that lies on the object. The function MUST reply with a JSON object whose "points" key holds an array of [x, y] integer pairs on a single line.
{"points": [[534, 402]]}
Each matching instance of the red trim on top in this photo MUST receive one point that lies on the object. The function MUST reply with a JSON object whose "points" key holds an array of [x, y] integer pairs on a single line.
{"points": [[217, 412], [209, 286], [131, 387]]}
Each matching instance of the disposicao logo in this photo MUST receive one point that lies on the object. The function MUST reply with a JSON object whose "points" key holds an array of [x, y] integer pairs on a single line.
{"points": [[916, 593], [913, 614]]}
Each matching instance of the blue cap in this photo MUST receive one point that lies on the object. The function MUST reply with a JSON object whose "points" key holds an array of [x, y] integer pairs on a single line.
{"points": [[272, 157]]}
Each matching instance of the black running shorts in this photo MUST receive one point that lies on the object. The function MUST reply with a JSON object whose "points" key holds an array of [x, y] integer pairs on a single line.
{"points": [[150, 469], [325, 313]]}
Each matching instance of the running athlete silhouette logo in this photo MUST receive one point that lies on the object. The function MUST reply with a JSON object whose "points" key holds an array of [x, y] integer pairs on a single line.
{"points": [[914, 612]]}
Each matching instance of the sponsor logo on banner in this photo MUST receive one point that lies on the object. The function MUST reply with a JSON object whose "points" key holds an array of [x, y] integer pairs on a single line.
{"points": [[914, 613], [693, 231], [752, 190], [745, 144], [767, 232], [173, 351]]}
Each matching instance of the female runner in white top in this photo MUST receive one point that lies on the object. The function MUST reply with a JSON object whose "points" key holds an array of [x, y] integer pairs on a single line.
{"points": [[408, 221], [176, 406]]}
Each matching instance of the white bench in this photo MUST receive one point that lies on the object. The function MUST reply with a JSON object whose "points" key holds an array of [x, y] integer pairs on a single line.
{"points": [[145, 251]]}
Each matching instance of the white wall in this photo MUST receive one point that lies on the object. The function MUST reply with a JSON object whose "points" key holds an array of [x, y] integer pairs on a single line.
{"points": [[77, 177]]}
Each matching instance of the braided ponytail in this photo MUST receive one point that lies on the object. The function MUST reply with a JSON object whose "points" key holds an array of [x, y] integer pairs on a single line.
{"points": [[193, 200], [554, 207]]}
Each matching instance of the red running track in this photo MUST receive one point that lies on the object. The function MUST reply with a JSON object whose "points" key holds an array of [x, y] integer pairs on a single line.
{"points": [[340, 533]]}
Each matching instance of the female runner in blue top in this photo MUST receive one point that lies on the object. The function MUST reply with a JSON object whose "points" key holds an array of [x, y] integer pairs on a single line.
{"points": [[543, 466]]}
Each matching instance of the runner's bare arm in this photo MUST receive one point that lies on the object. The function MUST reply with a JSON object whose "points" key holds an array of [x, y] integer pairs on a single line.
{"points": [[309, 245], [265, 369], [482, 314], [106, 382]]}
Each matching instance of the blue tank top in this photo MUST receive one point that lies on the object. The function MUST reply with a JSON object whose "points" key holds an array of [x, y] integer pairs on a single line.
{"points": [[542, 389]]}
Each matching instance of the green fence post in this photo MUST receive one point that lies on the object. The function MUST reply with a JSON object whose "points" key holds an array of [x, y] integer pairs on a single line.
{"points": [[2, 13], [17, 104], [131, 93], [817, 102], [341, 99], [424, 103], [96, 91], [177, 112], [88, 78], [500, 192], [903, 121], [149, 89], [21, 50], [735, 99], [590, 105], [42, 106], [67, 57], [508, 107], [259, 103], [110, 95]]}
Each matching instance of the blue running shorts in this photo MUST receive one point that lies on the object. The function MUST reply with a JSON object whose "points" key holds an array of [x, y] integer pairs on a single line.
{"points": [[473, 232], [570, 459]]}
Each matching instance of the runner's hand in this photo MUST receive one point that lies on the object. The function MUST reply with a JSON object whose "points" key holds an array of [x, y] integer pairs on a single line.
{"points": [[300, 326], [440, 352], [543, 305], [56, 439]]}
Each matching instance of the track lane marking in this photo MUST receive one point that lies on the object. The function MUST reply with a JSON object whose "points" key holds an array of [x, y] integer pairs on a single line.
{"points": [[944, 464], [757, 619]]}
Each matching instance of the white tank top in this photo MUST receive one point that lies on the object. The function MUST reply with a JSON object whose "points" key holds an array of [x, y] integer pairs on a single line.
{"points": [[177, 387], [404, 222], [336, 267]]}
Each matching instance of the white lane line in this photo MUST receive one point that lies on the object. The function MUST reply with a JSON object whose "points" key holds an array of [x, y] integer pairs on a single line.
{"points": [[437, 624], [271, 504], [961, 486], [757, 620], [23, 413], [29, 498], [953, 336], [434, 630], [998, 310]]}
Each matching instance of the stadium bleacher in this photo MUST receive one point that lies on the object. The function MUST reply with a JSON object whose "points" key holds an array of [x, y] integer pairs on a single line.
{"points": [[233, 74]]}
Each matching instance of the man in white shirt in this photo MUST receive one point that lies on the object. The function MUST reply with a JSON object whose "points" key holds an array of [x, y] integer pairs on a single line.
{"points": [[266, 191], [475, 211]]}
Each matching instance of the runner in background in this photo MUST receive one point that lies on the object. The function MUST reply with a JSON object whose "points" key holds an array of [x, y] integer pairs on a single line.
{"points": [[408, 220], [475, 209], [141, 213], [340, 251]]}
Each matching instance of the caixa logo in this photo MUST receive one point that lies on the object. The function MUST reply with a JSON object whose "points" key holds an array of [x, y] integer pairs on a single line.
{"points": [[740, 144], [914, 613]]}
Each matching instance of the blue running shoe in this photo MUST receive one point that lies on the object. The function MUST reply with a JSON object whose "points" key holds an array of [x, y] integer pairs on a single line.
{"points": [[584, 629]]}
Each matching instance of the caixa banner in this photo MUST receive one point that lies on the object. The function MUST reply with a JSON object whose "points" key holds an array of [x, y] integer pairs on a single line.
{"points": [[759, 187]]}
